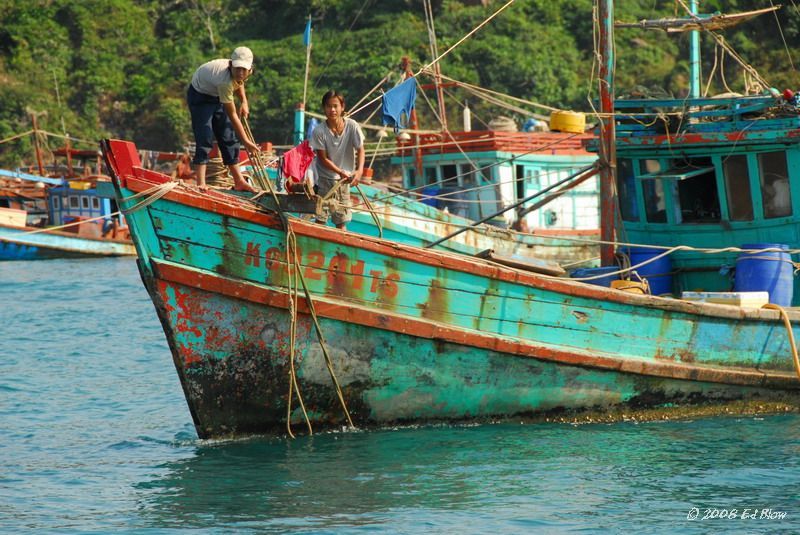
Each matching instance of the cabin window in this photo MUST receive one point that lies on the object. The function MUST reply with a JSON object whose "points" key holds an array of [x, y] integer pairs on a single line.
{"points": [[626, 190], [95, 203], [73, 201], [411, 175], [774, 178], [519, 180], [56, 202], [430, 175], [649, 166], [85, 202], [535, 180], [450, 175], [468, 177], [697, 192], [655, 206], [737, 188]]}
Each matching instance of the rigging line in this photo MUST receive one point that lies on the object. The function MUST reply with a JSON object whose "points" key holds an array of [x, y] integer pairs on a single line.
{"points": [[12, 138], [780, 29], [341, 42], [497, 93], [446, 52], [718, 38], [71, 138], [713, 70], [505, 105], [464, 105], [375, 88]]}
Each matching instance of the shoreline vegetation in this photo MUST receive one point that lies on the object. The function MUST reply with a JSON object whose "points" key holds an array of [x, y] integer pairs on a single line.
{"points": [[119, 68]]}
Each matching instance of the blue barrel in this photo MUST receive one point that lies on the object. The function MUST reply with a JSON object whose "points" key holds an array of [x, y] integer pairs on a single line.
{"points": [[431, 192], [766, 272], [593, 272], [658, 273]]}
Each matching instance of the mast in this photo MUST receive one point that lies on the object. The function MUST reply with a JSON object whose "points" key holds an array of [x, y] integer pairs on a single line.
{"points": [[608, 158], [694, 56], [405, 66], [36, 146], [437, 71]]}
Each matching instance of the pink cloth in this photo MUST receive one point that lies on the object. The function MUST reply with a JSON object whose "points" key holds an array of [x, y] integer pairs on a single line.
{"points": [[297, 160]]}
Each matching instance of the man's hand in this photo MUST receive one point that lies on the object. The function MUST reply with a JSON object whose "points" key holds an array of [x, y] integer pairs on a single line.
{"points": [[244, 110], [251, 147]]}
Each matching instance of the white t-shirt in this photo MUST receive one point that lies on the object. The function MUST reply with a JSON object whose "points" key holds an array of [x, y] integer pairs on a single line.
{"points": [[340, 149], [214, 78]]}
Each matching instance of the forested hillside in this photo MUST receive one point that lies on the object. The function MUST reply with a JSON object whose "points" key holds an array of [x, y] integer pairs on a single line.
{"points": [[95, 68]]}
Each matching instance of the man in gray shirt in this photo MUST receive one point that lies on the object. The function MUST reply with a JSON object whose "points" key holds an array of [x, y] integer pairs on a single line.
{"points": [[339, 144]]}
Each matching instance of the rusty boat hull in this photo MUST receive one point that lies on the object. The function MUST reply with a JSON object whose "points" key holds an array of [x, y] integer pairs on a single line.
{"points": [[413, 335]]}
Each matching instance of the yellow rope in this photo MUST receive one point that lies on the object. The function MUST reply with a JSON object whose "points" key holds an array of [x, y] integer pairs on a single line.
{"points": [[323, 344], [789, 331], [371, 211], [293, 268], [12, 138]]}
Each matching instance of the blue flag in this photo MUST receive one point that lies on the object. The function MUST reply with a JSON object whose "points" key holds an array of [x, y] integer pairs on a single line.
{"points": [[307, 34]]}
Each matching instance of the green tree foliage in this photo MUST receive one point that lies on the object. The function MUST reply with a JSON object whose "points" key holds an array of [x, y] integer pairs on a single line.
{"points": [[120, 68]]}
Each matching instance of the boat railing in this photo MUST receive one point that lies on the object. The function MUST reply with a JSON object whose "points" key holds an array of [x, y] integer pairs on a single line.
{"points": [[648, 116], [497, 141]]}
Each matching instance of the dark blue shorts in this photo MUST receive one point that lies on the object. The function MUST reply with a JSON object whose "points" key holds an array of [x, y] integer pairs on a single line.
{"points": [[210, 121]]}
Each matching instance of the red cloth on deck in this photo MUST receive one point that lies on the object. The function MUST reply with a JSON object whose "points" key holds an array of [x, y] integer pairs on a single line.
{"points": [[297, 160]]}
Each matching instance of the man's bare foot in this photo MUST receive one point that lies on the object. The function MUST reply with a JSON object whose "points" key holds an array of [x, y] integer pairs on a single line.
{"points": [[244, 187]]}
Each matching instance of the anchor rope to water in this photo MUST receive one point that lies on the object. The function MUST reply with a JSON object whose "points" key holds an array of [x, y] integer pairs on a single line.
{"points": [[293, 270], [788, 324], [323, 344]]}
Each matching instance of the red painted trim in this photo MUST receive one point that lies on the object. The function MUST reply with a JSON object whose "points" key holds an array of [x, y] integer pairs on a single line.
{"points": [[212, 201], [390, 321], [702, 138]]}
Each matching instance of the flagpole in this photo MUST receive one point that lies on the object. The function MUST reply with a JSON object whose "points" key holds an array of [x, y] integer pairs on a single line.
{"points": [[308, 63], [299, 112]]}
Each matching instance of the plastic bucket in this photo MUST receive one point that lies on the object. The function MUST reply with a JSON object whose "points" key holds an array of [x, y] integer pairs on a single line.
{"points": [[593, 272], [658, 273], [766, 272], [430, 192]]}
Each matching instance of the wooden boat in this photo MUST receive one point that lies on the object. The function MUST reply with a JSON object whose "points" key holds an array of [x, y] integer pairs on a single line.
{"points": [[262, 311], [84, 216]]}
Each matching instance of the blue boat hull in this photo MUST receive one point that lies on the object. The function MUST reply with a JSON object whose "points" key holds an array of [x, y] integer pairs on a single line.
{"points": [[25, 243]]}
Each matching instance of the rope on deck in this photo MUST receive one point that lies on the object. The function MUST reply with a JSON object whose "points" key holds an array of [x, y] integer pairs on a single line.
{"points": [[788, 324]]}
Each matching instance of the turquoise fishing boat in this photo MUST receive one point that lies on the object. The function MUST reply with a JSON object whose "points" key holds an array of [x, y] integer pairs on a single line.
{"points": [[277, 323]]}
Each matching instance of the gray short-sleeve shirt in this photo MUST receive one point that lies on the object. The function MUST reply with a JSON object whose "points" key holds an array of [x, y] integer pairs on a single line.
{"points": [[340, 150]]}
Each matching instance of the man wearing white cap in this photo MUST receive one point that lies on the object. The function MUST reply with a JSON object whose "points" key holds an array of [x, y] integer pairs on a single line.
{"points": [[210, 98]]}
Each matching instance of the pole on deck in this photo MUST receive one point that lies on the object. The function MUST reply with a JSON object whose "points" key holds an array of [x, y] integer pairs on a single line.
{"points": [[299, 124], [36, 146], [608, 160], [405, 65], [694, 57]]}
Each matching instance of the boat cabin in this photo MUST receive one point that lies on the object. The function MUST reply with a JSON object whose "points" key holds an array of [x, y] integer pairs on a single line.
{"points": [[81, 200], [475, 174], [710, 173]]}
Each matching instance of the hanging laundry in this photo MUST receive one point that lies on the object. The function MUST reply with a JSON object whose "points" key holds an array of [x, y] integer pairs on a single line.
{"points": [[296, 161], [397, 101]]}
